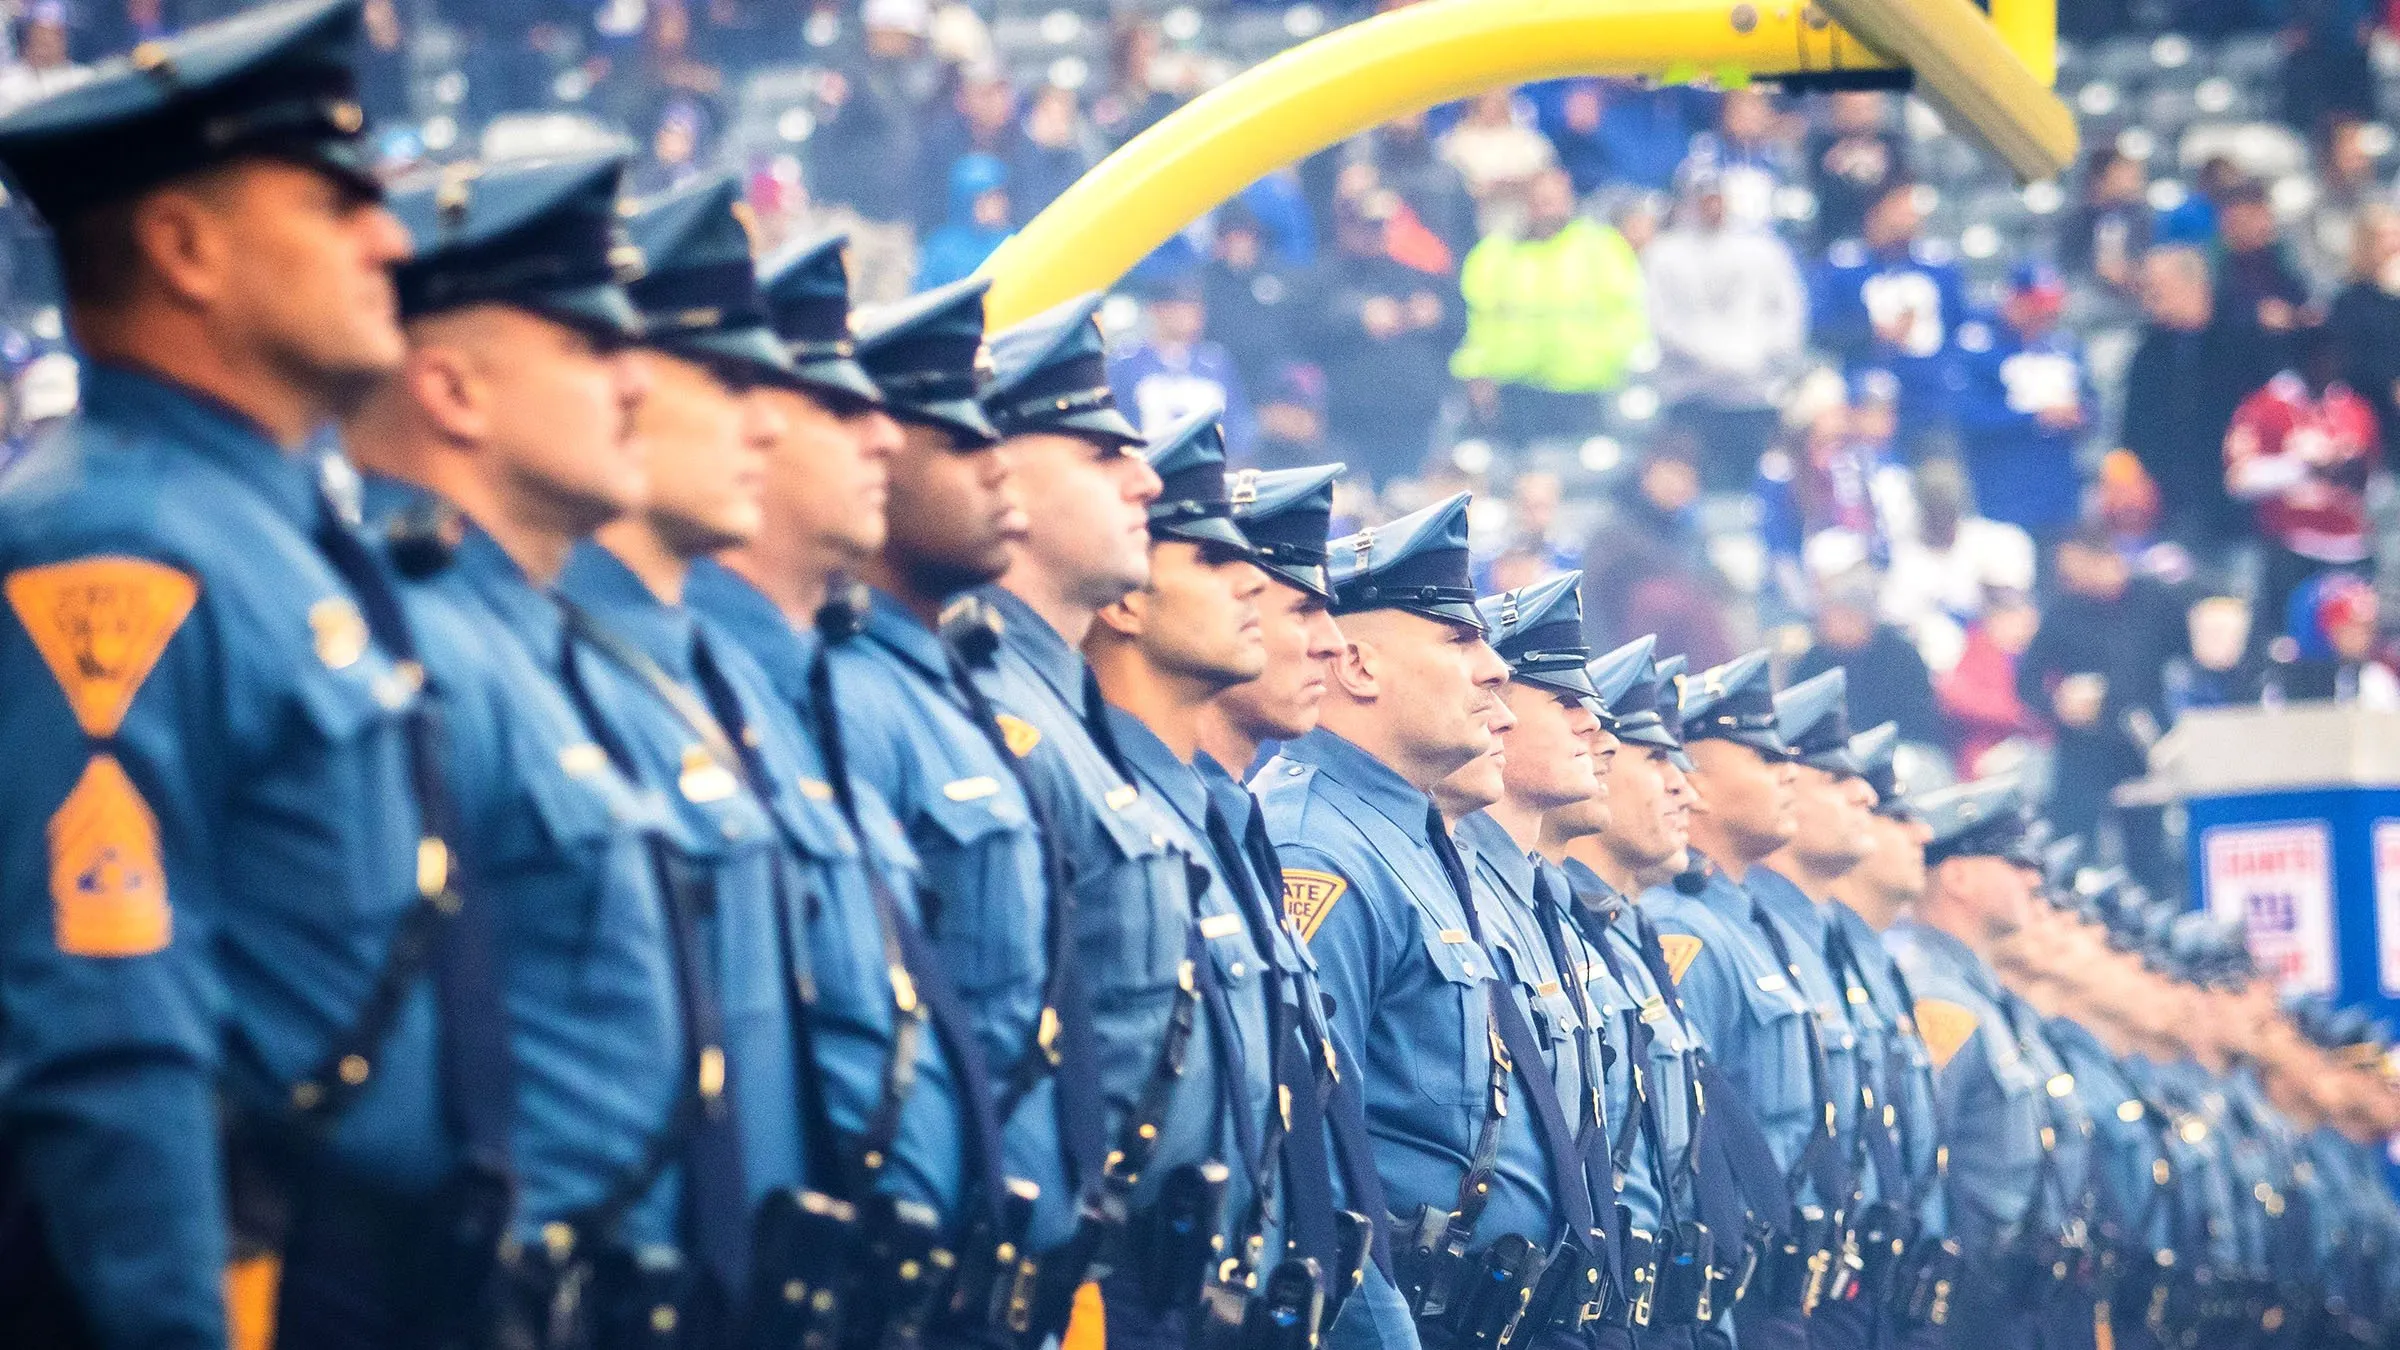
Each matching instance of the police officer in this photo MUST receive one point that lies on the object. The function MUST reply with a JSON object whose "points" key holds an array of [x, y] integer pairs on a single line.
{"points": [[1475, 1155], [1829, 837], [1136, 1079], [1285, 514], [1866, 900], [823, 511], [505, 440], [2016, 1159], [212, 832], [907, 722], [1734, 962], [1632, 834], [1548, 756], [1161, 655]]}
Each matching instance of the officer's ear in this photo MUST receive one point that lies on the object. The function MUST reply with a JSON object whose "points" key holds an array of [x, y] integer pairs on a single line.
{"points": [[178, 235], [446, 385], [1127, 617], [1357, 670]]}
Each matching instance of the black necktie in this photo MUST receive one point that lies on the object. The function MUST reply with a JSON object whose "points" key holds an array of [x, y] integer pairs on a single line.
{"points": [[1570, 1191]]}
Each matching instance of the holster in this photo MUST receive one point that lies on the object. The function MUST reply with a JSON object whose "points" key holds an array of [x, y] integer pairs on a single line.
{"points": [[1571, 1292], [1428, 1258], [1289, 1310], [1489, 1306], [1927, 1277], [1353, 1250], [1687, 1282], [998, 1272], [803, 1271], [1873, 1244], [1792, 1270], [564, 1298], [1176, 1242], [1643, 1268]]}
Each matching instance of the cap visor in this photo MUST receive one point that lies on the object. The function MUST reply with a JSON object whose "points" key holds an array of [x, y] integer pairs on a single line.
{"points": [[1101, 424], [751, 350], [839, 375], [1216, 530], [1573, 683], [962, 417], [602, 311], [1310, 579]]}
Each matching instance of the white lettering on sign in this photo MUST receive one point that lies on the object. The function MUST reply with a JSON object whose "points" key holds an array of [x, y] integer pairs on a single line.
{"points": [[2387, 905], [2277, 882]]}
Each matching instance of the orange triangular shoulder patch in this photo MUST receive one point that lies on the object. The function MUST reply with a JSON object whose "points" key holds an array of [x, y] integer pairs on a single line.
{"points": [[1680, 949], [108, 887], [1308, 897], [1020, 734], [1946, 1027], [100, 625]]}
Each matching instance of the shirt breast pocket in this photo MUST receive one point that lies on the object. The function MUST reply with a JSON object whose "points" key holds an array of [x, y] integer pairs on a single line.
{"points": [[340, 783], [989, 893], [1450, 1041], [1778, 1067]]}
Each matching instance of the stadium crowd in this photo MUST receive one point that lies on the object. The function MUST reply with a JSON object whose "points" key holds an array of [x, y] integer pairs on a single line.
{"points": [[2041, 468]]}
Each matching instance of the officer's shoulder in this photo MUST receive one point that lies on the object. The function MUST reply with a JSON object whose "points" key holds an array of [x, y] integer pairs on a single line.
{"points": [[88, 488]]}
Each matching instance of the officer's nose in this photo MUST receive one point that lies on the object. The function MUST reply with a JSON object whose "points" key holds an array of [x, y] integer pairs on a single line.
{"points": [[879, 436], [1142, 483], [763, 423], [1324, 636], [1490, 671], [385, 239], [632, 376]]}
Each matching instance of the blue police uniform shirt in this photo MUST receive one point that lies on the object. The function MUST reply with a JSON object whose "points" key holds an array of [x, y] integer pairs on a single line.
{"points": [[2125, 1149], [1988, 1094], [1667, 1125], [211, 840], [2205, 1232], [1857, 288], [1889, 1039], [1133, 905], [1804, 928], [1375, 1316], [852, 1020], [909, 737], [1373, 902], [554, 830], [2024, 473], [1240, 967], [1742, 1000], [1502, 879], [766, 856]]}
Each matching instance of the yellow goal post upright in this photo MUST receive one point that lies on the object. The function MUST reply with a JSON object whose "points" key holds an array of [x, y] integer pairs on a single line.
{"points": [[1988, 73]]}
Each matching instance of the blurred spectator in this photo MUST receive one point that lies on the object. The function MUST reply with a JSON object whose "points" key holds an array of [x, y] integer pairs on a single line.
{"points": [[1573, 124], [2329, 651], [2326, 70], [2180, 392], [1554, 315], [2221, 668], [1497, 151], [980, 119], [1052, 149], [1176, 370], [1291, 418], [1407, 161], [2194, 219], [2300, 451], [1888, 301], [676, 150], [1888, 681], [1133, 102], [980, 221], [1940, 578], [1834, 496], [1385, 325], [1731, 320], [1978, 694], [1646, 132], [1532, 540], [2345, 187], [2095, 674], [1647, 569], [2366, 319], [2261, 297], [862, 158], [2024, 406], [2126, 503], [1748, 155], [1853, 162], [2110, 229], [42, 65], [1253, 303]]}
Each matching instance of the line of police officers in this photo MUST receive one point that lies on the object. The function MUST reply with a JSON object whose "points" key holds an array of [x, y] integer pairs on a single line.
{"points": [[568, 791]]}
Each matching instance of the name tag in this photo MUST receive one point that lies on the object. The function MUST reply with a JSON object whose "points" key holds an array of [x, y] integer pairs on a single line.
{"points": [[704, 780], [1547, 987], [971, 789], [1220, 925], [1119, 798], [1453, 936], [1654, 1010], [816, 789], [582, 760], [1773, 984]]}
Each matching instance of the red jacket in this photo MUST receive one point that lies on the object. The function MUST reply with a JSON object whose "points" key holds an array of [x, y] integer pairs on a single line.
{"points": [[2302, 464]]}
